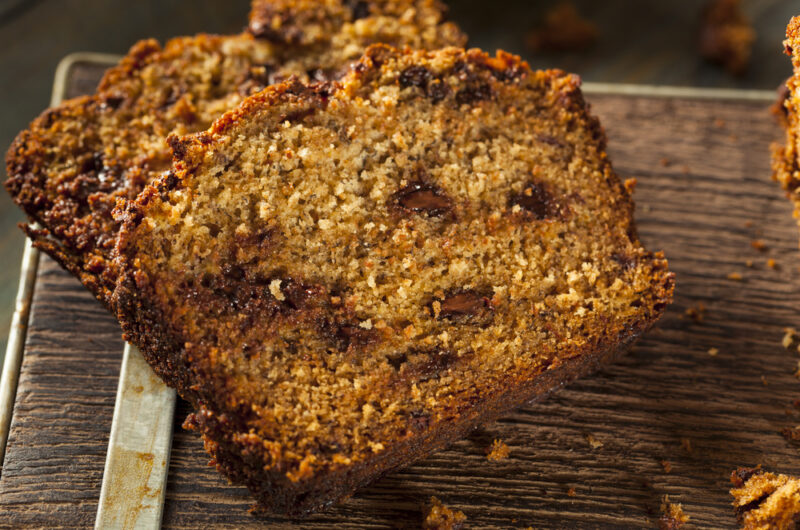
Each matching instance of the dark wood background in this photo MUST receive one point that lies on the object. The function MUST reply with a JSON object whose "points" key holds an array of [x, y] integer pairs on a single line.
{"points": [[704, 194], [643, 41]]}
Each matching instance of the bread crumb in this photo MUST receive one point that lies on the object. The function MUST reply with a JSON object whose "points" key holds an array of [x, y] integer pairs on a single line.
{"points": [[594, 442], [713, 351], [275, 289], [665, 162], [735, 276], [686, 444], [790, 334], [437, 516], [791, 433], [758, 245], [672, 516], [772, 264], [571, 492], [667, 465], [749, 263], [764, 380], [498, 451], [696, 313]]}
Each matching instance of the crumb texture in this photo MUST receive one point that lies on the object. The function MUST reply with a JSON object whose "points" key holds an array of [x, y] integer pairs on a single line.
{"points": [[342, 276], [786, 158], [72, 164], [765, 500]]}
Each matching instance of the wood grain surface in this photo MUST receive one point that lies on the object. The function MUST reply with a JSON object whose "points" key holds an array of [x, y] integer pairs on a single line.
{"points": [[593, 454]]}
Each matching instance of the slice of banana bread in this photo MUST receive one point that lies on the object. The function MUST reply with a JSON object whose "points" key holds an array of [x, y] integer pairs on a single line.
{"points": [[786, 158], [68, 169], [414, 23], [344, 277]]}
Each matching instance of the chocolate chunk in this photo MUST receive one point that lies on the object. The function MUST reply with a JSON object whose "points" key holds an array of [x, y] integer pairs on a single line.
{"points": [[535, 200], [624, 261], [423, 198], [92, 164], [397, 360], [434, 363], [415, 76], [112, 102], [438, 90], [463, 304], [474, 93], [298, 294], [349, 337]]}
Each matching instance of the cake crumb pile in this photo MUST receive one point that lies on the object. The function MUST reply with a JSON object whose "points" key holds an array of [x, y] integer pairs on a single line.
{"points": [[672, 515], [437, 516]]}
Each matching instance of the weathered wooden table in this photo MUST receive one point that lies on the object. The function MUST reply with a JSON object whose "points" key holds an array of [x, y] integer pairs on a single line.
{"points": [[592, 455]]}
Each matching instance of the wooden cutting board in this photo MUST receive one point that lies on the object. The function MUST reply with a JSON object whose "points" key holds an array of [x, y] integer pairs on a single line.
{"points": [[594, 454]]}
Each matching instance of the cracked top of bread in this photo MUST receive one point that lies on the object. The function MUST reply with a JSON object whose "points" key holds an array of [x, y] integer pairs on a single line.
{"points": [[334, 271], [786, 158], [67, 170]]}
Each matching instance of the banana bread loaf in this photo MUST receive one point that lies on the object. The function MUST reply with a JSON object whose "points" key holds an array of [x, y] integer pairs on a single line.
{"points": [[786, 158], [68, 169], [344, 277]]}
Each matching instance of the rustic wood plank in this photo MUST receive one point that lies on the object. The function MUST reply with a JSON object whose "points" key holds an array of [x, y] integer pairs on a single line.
{"points": [[703, 173]]}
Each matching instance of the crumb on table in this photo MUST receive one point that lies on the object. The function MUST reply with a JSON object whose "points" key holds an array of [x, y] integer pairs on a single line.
{"points": [[672, 516], [667, 465], [789, 337], [735, 276], [594, 442], [440, 517], [696, 313], [713, 351], [791, 433], [498, 451]]}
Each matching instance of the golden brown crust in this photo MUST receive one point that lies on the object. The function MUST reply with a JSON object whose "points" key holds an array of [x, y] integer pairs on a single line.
{"points": [[248, 267], [68, 169], [786, 158]]}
